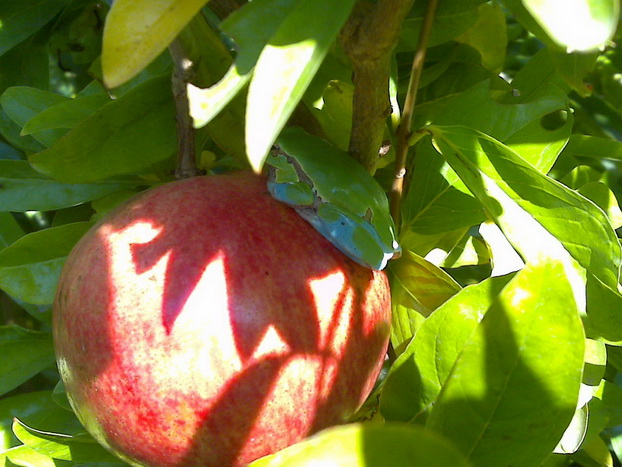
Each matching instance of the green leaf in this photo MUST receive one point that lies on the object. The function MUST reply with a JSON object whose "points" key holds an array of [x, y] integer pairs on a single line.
{"points": [[22, 103], [416, 286], [59, 395], [34, 408], [389, 445], [11, 132], [9, 229], [536, 214], [470, 250], [488, 36], [594, 147], [417, 376], [611, 396], [18, 20], [516, 121], [25, 457], [250, 37], [77, 448], [540, 219], [204, 47], [595, 20], [516, 403], [137, 31], [25, 353], [26, 64], [30, 267], [603, 305], [593, 371], [335, 116], [604, 198], [504, 258], [575, 432], [123, 137], [574, 68], [427, 285], [296, 50], [452, 19], [441, 204], [581, 25], [67, 114], [538, 72], [24, 189]]}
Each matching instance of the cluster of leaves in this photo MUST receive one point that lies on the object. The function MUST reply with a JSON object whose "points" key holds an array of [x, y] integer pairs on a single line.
{"points": [[507, 309]]}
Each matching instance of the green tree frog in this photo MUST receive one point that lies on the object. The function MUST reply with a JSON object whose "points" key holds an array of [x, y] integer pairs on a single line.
{"points": [[335, 194]]}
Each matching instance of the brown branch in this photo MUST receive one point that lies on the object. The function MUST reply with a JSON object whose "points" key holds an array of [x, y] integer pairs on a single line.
{"points": [[404, 130], [223, 8], [368, 38], [186, 152]]}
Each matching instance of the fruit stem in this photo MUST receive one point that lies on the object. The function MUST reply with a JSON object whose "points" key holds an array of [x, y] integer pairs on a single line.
{"points": [[186, 152], [404, 129], [368, 39]]}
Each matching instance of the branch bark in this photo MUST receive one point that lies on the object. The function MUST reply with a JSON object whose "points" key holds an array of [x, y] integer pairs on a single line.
{"points": [[186, 151], [368, 38]]}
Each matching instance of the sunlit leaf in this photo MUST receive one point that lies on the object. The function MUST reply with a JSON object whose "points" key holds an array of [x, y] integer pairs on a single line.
{"points": [[34, 408], [604, 198], [77, 448], [438, 204], [25, 457], [211, 59], [538, 215], [390, 445], [580, 25], [575, 432], [504, 258], [517, 121], [421, 285], [417, 376], [250, 37], [296, 50], [515, 403], [136, 31], [418, 286]]}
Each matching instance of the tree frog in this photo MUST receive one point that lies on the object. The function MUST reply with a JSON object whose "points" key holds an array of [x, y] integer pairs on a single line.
{"points": [[335, 194]]}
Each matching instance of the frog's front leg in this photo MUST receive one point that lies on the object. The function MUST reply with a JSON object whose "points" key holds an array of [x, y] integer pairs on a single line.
{"points": [[285, 184]]}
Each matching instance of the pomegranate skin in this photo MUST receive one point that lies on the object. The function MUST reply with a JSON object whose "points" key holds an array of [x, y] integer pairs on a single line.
{"points": [[204, 323]]}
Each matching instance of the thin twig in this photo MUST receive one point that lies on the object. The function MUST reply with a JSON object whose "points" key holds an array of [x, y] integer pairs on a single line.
{"points": [[404, 131], [186, 155], [368, 38]]}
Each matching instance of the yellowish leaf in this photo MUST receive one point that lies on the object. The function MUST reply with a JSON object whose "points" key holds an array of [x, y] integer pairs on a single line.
{"points": [[137, 31]]}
